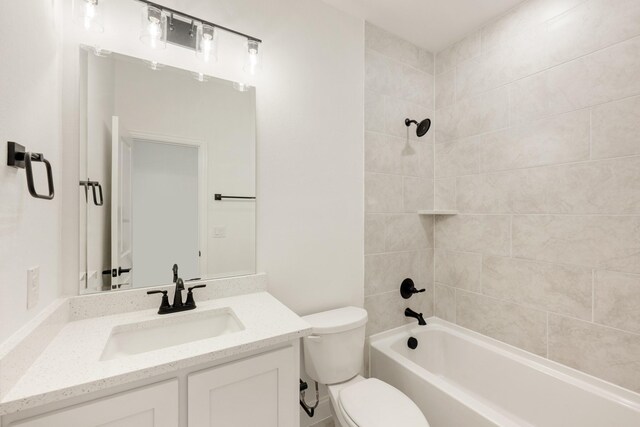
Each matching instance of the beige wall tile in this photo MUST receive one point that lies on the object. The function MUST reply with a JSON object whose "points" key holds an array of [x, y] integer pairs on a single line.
{"points": [[560, 139], [395, 48], [557, 288], [456, 158], [383, 193], [373, 111], [511, 323], [417, 87], [520, 191], [397, 110], [604, 76], [445, 302], [472, 116], [374, 233], [406, 232], [418, 194], [617, 300], [465, 49], [445, 89], [381, 73], [522, 18], [525, 54], [385, 272], [615, 128], [606, 353], [426, 61], [445, 194], [461, 270], [604, 242], [390, 154], [474, 233], [609, 22], [600, 187], [386, 310]]}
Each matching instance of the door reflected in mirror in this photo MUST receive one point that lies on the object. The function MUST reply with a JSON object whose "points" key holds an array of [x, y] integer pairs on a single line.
{"points": [[175, 160]]}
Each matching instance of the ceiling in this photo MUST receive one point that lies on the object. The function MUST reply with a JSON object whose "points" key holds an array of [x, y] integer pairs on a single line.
{"points": [[431, 24]]}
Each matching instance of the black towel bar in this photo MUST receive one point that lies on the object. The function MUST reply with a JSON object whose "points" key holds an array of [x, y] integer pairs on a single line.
{"points": [[220, 197]]}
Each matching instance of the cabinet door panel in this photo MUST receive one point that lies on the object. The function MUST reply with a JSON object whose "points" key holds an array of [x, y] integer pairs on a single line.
{"points": [[154, 406], [259, 391]]}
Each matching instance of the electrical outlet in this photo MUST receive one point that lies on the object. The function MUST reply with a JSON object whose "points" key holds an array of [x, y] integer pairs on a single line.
{"points": [[33, 286], [219, 232]]}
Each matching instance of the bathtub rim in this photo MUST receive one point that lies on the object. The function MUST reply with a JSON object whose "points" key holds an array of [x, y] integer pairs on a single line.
{"points": [[383, 341]]}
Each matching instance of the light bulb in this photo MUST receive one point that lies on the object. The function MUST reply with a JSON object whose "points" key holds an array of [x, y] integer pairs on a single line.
{"points": [[253, 57], [89, 15], [206, 43], [153, 32]]}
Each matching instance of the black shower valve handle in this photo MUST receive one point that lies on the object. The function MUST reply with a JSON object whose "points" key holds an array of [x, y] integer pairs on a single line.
{"points": [[408, 288]]}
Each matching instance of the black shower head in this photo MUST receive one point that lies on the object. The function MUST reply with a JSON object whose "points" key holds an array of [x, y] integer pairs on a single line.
{"points": [[423, 126]]}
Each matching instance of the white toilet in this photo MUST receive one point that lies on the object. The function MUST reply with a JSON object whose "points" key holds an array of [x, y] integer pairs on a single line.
{"points": [[333, 355]]}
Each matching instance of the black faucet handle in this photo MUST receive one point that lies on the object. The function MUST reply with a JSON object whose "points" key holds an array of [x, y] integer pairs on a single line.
{"points": [[190, 302], [408, 288], [164, 305]]}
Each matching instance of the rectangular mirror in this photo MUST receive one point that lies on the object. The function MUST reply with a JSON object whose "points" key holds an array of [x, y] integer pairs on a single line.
{"points": [[167, 174]]}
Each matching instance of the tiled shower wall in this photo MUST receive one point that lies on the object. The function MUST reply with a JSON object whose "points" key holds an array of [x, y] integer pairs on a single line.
{"points": [[399, 84], [538, 147]]}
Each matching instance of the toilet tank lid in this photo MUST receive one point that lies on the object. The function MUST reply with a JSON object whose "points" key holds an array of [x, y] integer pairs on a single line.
{"points": [[338, 320]]}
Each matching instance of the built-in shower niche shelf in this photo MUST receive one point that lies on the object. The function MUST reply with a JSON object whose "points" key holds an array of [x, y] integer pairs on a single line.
{"points": [[437, 212]]}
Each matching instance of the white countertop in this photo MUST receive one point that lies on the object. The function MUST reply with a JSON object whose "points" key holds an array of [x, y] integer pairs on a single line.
{"points": [[71, 366]]}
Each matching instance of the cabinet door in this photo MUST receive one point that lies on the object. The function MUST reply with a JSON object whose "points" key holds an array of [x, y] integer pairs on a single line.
{"points": [[154, 406], [258, 391]]}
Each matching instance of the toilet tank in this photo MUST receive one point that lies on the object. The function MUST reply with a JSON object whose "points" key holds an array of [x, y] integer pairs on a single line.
{"points": [[334, 351]]}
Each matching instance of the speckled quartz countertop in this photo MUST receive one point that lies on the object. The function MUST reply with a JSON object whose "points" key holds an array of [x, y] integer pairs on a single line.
{"points": [[70, 365]]}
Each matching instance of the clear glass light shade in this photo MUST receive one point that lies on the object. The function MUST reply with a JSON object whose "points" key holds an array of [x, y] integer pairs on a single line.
{"points": [[89, 15], [153, 29], [252, 62], [207, 43]]}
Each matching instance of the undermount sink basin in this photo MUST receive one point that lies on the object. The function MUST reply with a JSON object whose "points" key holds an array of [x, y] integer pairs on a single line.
{"points": [[168, 331]]}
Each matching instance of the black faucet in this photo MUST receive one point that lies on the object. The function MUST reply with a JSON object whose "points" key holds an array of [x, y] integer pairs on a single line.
{"points": [[178, 305], [175, 272], [410, 313]]}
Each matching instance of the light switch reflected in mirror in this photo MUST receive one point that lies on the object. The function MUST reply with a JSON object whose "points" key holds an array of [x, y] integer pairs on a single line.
{"points": [[164, 146]]}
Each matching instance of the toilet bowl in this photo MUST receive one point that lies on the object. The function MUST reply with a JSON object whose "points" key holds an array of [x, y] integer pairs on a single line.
{"points": [[333, 355]]}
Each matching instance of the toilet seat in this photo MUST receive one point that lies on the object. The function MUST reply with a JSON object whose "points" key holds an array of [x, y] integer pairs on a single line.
{"points": [[374, 403]]}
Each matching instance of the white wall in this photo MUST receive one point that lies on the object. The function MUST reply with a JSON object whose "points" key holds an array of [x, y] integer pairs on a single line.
{"points": [[30, 85], [310, 137]]}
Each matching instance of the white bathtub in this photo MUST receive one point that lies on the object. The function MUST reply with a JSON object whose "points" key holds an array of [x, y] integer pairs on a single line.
{"points": [[460, 378]]}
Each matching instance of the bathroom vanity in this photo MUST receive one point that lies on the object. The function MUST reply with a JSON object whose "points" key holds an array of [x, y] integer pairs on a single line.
{"points": [[109, 359]]}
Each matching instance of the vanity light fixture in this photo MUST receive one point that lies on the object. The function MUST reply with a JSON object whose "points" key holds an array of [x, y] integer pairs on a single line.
{"points": [[253, 57], [162, 25], [207, 43], [89, 14], [153, 31]]}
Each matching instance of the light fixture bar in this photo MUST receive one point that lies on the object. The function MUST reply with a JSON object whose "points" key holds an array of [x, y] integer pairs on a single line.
{"points": [[191, 17]]}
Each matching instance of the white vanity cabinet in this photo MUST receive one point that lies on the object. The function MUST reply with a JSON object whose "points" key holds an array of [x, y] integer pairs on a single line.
{"points": [[258, 391], [153, 406]]}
